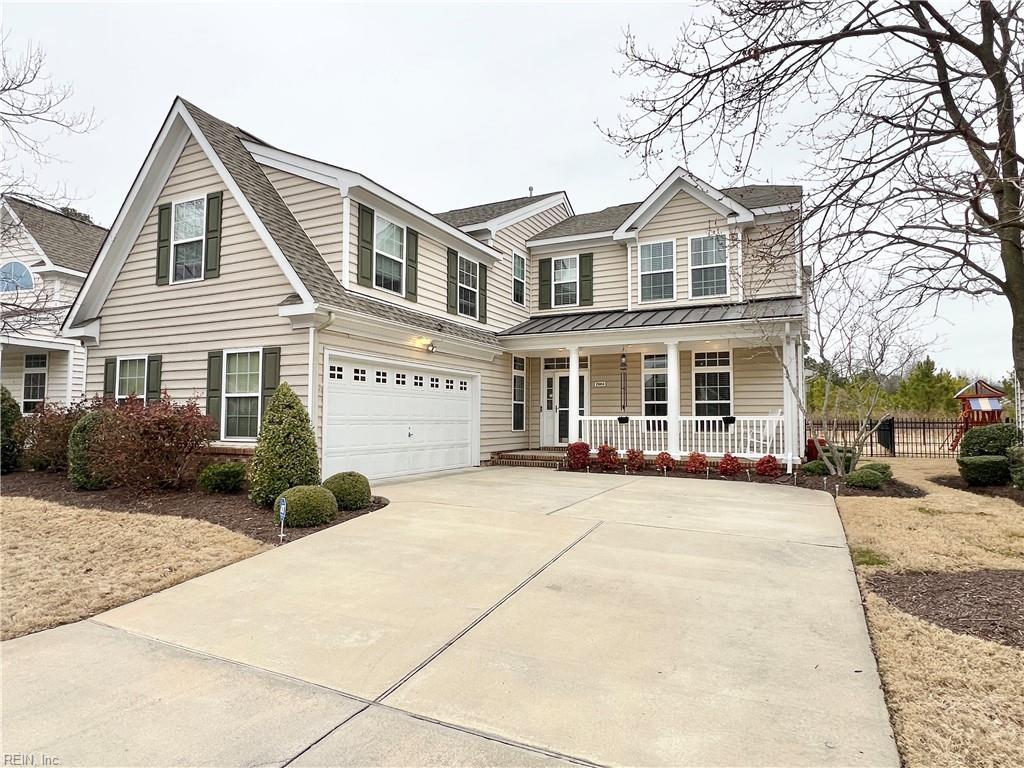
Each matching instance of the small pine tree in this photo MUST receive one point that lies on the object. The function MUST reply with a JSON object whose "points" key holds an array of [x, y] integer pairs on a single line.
{"points": [[285, 449], [10, 415]]}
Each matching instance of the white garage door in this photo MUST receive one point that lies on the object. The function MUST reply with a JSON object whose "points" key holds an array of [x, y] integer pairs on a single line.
{"points": [[386, 420]]}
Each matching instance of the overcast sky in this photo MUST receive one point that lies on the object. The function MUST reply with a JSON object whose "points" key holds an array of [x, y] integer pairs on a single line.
{"points": [[449, 105]]}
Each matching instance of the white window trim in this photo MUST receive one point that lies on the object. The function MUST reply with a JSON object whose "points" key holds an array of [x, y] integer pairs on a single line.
{"points": [[31, 275], [691, 267], [45, 370], [117, 377], [520, 374], [640, 273], [459, 286], [377, 217], [201, 239], [224, 394], [576, 260], [525, 301], [643, 389], [711, 369]]}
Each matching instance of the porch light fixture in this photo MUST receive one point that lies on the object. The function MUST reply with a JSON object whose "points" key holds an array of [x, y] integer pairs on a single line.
{"points": [[623, 389]]}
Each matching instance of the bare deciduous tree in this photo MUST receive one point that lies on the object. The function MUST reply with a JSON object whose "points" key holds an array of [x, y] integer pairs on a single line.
{"points": [[910, 145]]}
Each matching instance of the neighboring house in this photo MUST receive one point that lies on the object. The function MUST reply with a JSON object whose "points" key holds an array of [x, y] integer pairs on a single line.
{"points": [[44, 258], [424, 341]]}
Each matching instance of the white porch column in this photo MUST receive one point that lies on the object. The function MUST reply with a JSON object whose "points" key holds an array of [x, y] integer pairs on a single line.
{"points": [[790, 409], [672, 350], [574, 394]]}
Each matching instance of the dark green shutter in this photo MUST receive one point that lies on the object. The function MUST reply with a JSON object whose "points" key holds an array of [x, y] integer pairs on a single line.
{"points": [[544, 289], [364, 275], [214, 203], [163, 244], [482, 284], [586, 279], [271, 375], [214, 379], [453, 281], [110, 377], [412, 259], [154, 367]]}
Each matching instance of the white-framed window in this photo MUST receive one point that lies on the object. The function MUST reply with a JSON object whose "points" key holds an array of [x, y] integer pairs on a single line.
{"points": [[656, 392], [657, 271], [33, 383], [709, 266], [388, 255], [519, 279], [131, 377], [518, 394], [565, 281], [188, 229], [15, 276], [469, 272], [241, 417], [562, 363], [712, 384]]}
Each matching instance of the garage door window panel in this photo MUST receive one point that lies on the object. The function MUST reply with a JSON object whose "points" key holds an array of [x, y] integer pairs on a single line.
{"points": [[242, 394]]}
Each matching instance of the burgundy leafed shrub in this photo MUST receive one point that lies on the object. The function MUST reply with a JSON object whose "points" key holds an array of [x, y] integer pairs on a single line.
{"points": [[577, 455], [608, 458], [729, 466], [635, 460], [44, 436], [696, 463], [768, 466], [664, 462], [146, 446]]}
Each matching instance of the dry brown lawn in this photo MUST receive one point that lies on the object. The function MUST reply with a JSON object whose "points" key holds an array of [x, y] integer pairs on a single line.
{"points": [[60, 564], [955, 700]]}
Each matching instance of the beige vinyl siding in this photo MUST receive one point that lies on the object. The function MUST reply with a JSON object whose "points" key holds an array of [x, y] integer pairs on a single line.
{"points": [[758, 381], [534, 401], [769, 261], [12, 370], [318, 209], [495, 383], [186, 321], [609, 276]]}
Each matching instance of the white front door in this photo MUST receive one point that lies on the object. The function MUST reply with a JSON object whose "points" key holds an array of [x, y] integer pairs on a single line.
{"points": [[555, 413]]}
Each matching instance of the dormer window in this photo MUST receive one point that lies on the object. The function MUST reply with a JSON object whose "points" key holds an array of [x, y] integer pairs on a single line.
{"points": [[389, 255], [709, 273], [15, 276], [188, 229]]}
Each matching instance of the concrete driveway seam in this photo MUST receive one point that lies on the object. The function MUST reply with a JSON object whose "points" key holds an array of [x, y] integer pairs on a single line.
{"points": [[462, 633], [593, 495], [312, 744]]}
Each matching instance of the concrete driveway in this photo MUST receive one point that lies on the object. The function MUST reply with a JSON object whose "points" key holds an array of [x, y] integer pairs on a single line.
{"points": [[501, 616]]}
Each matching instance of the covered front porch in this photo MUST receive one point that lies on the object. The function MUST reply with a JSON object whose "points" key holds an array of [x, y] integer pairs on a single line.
{"points": [[39, 369]]}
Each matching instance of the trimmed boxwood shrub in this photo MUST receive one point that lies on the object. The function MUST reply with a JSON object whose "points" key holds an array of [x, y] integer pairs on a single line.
{"points": [[577, 455], [816, 468], [308, 505], [865, 478], [10, 415], [880, 467], [984, 470], [285, 454], [991, 440], [222, 478], [1015, 458], [350, 489], [80, 472]]}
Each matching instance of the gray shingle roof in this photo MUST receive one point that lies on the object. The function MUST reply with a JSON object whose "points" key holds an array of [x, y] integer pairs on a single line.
{"points": [[66, 241], [764, 309], [478, 214], [764, 195], [291, 238]]}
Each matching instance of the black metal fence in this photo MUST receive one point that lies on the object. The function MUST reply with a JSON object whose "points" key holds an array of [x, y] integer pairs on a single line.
{"points": [[919, 438]]}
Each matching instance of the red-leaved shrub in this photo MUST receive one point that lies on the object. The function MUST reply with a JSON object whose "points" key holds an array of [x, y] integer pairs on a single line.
{"points": [[635, 460], [608, 458], [768, 466], [44, 436], [729, 466], [577, 455], [664, 462], [148, 445], [696, 463]]}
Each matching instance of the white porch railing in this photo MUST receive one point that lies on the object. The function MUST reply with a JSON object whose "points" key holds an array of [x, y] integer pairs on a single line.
{"points": [[748, 437]]}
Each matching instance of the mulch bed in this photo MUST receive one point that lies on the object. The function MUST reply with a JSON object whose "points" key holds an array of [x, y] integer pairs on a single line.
{"points": [[892, 488], [997, 491], [986, 603], [232, 511]]}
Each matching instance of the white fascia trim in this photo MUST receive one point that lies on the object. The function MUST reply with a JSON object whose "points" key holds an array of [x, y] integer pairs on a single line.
{"points": [[700, 190], [24, 230], [89, 331], [46, 270], [48, 343], [771, 210], [345, 179], [567, 239], [519, 214]]}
